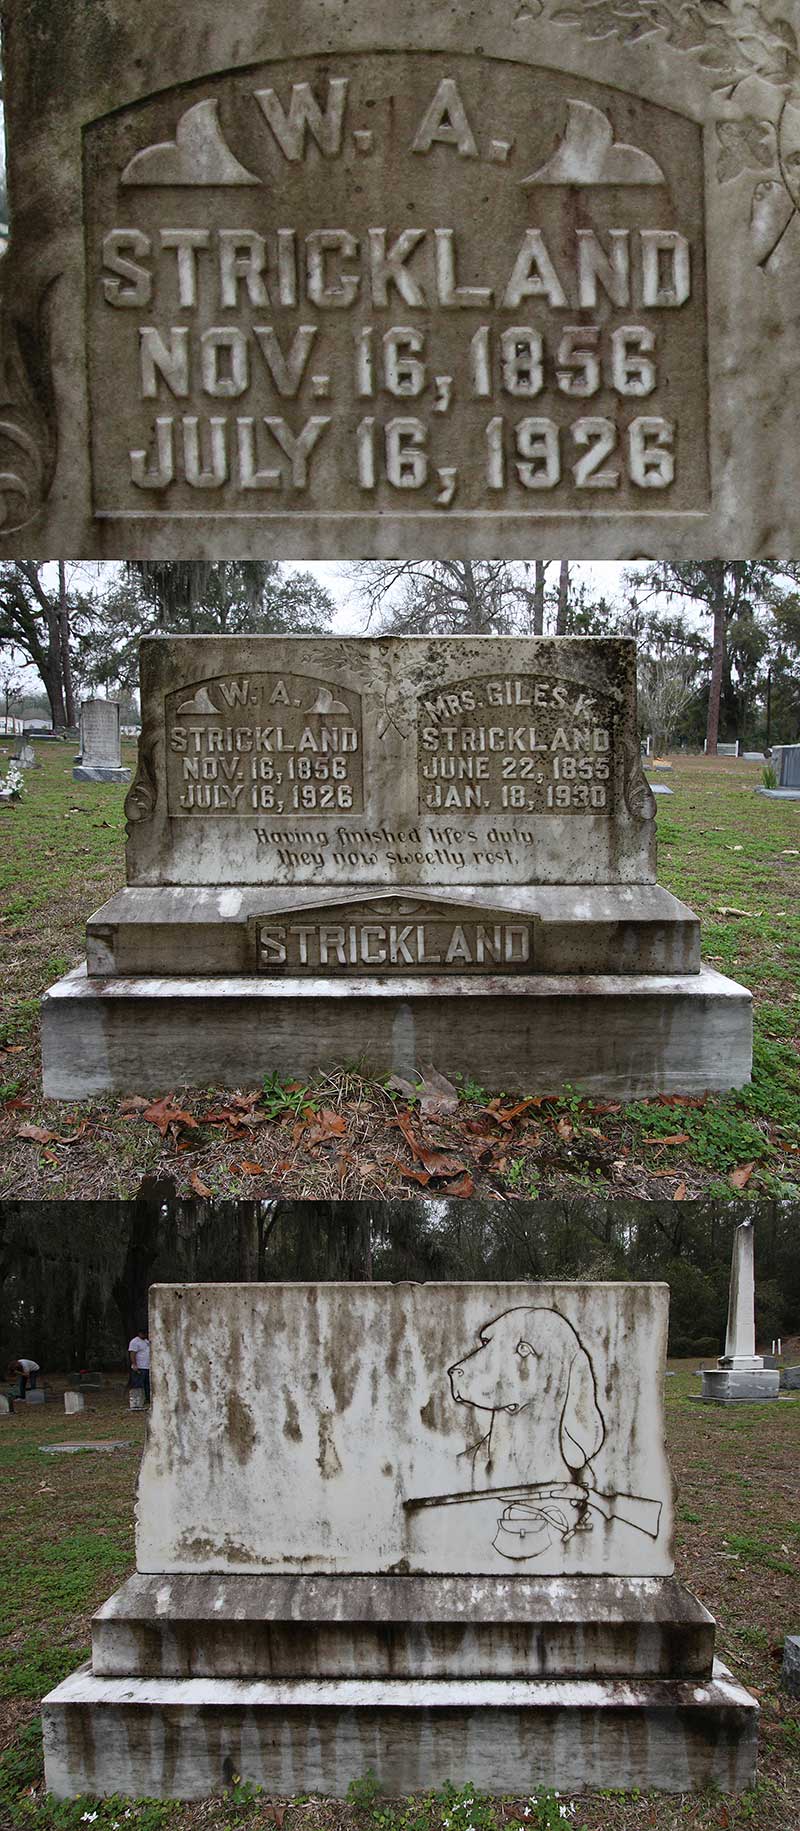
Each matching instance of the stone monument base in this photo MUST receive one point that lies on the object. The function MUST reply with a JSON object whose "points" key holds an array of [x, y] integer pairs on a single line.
{"points": [[746, 1380], [596, 1682], [621, 1035], [100, 772]]}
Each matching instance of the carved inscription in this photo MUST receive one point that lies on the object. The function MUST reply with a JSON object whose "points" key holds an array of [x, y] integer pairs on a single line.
{"points": [[521, 742], [243, 745], [394, 936], [396, 281]]}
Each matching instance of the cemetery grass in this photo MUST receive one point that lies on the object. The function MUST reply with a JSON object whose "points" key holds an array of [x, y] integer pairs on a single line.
{"points": [[67, 1543], [730, 854]]}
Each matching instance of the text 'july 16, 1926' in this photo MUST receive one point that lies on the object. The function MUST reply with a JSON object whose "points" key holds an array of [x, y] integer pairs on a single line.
{"points": [[396, 281]]}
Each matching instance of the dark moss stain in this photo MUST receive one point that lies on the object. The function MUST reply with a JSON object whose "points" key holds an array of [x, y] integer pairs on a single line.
{"points": [[241, 1428], [328, 1458], [291, 1423]]}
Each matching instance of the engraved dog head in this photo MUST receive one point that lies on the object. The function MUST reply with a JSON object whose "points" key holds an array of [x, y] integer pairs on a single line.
{"points": [[531, 1372]]}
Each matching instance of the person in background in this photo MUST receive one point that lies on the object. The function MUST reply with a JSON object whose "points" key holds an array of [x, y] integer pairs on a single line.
{"points": [[139, 1357], [27, 1371]]}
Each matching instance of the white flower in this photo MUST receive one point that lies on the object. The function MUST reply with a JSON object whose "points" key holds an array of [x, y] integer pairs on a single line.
{"points": [[88, 1818]]}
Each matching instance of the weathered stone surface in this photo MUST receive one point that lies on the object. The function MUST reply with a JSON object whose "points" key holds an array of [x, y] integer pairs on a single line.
{"points": [[377, 827], [790, 1379], [186, 1738], [402, 1627], [612, 1034], [74, 1402], [289, 761], [335, 280], [36, 1396], [790, 1670], [99, 759], [512, 1428], [790, 766], [5, 1407], [626, 928]]}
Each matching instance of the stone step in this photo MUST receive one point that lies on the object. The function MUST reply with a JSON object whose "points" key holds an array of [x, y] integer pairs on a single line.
{"points": [[210, 1626], [637, 928], [187, 1738], [611, 1035]]}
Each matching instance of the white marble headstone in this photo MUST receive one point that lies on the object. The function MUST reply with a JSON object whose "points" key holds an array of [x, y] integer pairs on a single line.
{"points": [[482, 1428]]}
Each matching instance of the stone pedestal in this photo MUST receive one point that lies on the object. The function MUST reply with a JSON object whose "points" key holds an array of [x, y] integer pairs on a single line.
{"points": [[626, 1036], [731, 1385], [352, 1555]]}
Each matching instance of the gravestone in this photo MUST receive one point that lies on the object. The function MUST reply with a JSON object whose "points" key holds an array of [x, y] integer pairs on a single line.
{"points": [[439, 1517], [74, 1402], [99, 759], [331, 841], [24, 754], [790, 1669], [5, 1406], [34, 1396], [790, 766], [349, 281], [741, 1375]]}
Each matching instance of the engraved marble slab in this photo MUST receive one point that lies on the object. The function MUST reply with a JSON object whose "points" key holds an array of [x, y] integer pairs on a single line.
{"points": [[485, 1428], [333, 280], [461, 761]]}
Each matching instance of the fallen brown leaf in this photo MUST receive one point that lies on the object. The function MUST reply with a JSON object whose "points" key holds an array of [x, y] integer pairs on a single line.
{"points": [[674, 1138], [679, 1194], [162, 1114], [411, 1175], [246, 1168], [135, 1103], [740, 1177], [565, 1129], [462, 1188], [330, 1124], [38, 1134], [437, 1095], [200, 1188], [505, 1115]]}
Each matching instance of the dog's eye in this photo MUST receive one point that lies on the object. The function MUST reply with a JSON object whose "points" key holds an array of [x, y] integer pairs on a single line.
{"points": [[524, 1349]]}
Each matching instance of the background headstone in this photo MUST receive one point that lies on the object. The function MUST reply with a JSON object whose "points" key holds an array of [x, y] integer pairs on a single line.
{"points": [[74, 1402], [100, 743]]}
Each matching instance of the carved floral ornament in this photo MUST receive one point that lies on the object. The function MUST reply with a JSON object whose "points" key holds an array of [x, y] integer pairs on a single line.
{"points": [[733, 42]]}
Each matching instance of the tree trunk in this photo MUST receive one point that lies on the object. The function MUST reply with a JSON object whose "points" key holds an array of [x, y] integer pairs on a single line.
{"points": [[63, 631], [717, 661], [538, 598], [50, 670], [562, 618]]}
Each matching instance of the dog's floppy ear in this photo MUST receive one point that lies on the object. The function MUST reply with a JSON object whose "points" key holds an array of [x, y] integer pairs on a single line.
{"points": [[582, 1426]]}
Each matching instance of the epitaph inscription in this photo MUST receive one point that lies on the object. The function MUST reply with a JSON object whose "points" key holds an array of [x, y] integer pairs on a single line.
{"points": [[517, 742], [388, 764], [401, 282], [264, 743]]}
